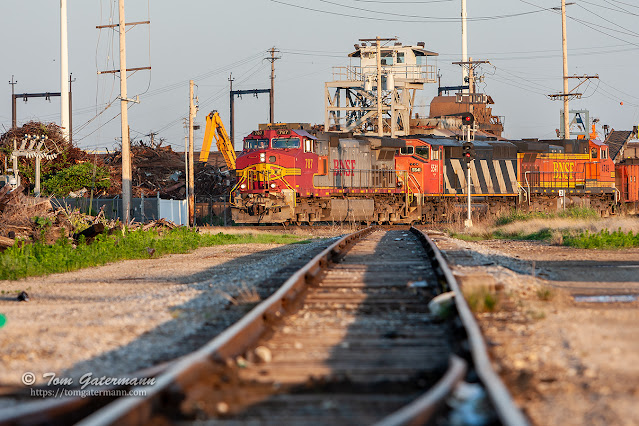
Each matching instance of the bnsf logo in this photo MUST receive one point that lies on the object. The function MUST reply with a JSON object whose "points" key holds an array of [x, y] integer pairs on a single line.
{"points": [[343, 167], [562, 170]]}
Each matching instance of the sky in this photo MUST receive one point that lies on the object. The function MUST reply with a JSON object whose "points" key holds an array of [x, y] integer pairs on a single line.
{"points": [[207, 41]]}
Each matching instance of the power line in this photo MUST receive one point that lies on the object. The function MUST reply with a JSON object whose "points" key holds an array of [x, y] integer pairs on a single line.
{"points": [[624, 3], [403, 2], [614, 8], [446, 19], [628, 32], [591, 25], [421, 20]]}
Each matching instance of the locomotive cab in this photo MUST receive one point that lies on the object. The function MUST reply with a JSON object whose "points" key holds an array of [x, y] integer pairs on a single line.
{"points": [[275, 160], [423, 162]]}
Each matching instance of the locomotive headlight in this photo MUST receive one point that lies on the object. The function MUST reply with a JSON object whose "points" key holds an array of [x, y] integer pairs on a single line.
{"points": [[262, 157], [273, 186], [243, 186]]}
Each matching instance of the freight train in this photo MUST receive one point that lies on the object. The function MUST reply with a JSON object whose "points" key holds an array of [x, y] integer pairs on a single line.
{"points": [[292, 174]]}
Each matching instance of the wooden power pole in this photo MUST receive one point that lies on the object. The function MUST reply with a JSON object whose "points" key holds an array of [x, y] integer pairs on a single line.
{"points": [[126, 143], [272, 58], [191, 185], [568, 94], [64, 70], [564, 46]]}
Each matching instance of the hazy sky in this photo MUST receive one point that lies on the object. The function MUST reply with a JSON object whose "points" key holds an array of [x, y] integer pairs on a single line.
{"points": [[207, 40]]}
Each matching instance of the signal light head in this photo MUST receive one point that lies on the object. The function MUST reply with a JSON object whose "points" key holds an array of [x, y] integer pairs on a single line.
{"points": [[468, 119]]}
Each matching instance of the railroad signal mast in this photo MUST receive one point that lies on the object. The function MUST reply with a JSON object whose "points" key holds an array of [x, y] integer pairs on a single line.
{"points": [[468, 154]]}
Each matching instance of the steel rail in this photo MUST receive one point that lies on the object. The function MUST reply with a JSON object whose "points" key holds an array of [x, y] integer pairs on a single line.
{"points": [[182, 373], [507, 411], [423, 408], [233, 341]]}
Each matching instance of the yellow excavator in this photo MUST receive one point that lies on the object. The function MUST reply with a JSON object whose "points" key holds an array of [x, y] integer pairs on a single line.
{"points": [[215, 127]]}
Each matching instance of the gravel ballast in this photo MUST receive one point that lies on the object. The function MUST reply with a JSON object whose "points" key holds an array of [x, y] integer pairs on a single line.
{"points": [[119, 318]]}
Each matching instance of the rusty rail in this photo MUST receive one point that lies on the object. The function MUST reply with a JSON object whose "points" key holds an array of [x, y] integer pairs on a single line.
{"points": [[185, 372], [233, 341], [507, 411]]}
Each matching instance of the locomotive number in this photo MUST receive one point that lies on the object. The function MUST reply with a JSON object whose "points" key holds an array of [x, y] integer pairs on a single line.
{"points": [[605, 168], [309, 163], [433, 168]]}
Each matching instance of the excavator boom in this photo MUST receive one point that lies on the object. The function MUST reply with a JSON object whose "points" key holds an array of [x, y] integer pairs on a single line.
{"points": [[215, 128]]}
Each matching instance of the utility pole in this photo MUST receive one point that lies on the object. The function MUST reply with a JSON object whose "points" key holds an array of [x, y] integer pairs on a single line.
{"points": [[567, 94], [186, 167], [564, 46], [272, 94], [64, 70], [232, 112], [71, 80], [464, 42], [124, 117], [126, 143], [14, 119], [191, 184], [152, 135]]}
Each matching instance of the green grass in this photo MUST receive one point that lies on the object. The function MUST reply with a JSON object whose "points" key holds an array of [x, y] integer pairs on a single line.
{"points": [[481, 300], [586, 240], [545, 293], [570, 213], [23, 260], [541, 235], [472, 237], [603, 240]]}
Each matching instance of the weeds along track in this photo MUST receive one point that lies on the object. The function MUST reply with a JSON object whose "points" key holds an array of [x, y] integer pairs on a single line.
{"points": [[348, 339]]}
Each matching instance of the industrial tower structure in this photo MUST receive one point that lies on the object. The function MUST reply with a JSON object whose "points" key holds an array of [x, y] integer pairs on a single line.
{"points": [[377, 96]]}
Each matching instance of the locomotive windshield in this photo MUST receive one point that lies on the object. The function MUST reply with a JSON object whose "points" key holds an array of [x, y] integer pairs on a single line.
{"points": [[422, 151], [285, 142], [256, 143]]}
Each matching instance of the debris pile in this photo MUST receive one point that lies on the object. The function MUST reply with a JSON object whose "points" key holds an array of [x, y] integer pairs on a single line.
{"points": [[17, 213], [30, 219], [156, 169], [160, 170]]}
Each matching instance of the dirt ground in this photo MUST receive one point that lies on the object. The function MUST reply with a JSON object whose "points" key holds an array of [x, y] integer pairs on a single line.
{"points": [[565, 361], [119, 318]]}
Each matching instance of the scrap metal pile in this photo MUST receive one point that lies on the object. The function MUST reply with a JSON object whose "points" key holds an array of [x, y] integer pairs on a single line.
{"points": [[156, 169], [159, 169]]}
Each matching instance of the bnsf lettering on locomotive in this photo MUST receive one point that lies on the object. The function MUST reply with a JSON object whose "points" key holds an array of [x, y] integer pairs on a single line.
{"points": [[562, 170], [343, 167]]}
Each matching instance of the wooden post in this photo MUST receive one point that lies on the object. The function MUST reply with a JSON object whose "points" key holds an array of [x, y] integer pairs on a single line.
{"points": [[191, 174]]}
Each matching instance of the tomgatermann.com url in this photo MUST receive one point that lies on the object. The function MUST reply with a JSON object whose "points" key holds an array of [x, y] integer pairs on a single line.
{"points": [[83, 393]]}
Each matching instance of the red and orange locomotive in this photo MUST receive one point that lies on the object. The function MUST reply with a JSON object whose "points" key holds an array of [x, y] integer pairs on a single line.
{"points": [[288, 173]]}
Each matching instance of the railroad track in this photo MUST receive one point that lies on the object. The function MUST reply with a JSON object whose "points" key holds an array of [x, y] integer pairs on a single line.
{"points": [[348, 339]]}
